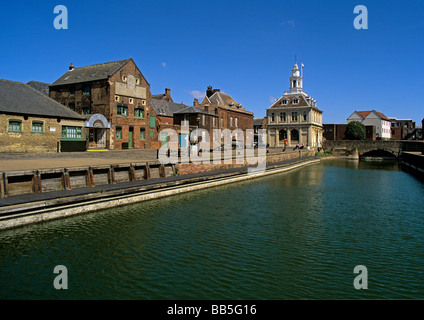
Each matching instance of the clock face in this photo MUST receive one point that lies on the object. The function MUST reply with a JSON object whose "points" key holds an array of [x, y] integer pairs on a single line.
{"points": [[131, 82]]}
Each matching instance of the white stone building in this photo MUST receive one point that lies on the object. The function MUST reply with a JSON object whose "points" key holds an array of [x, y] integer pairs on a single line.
{"points": [[295, 117], [373, 118]]}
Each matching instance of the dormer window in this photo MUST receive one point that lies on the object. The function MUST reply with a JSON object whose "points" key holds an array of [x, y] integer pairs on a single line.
{"points": [[284, 101], [295, 101]]}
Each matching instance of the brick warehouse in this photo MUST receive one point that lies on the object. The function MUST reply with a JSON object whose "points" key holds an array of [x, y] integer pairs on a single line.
{"points": [[32, 122], [114, 98]]}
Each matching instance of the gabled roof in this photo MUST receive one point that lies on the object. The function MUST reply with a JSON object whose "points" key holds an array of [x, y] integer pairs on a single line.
{"points": [[40, 86], [365, 114], [225, 101], [166, 108], [93, 72], [304, 101], [20, 98]]}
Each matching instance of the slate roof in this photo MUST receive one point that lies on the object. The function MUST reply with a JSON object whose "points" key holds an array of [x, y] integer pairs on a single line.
{"points": [[193, 109], [166, 108], [20, 98], [93, 72], [258, 121], [40, 86]]}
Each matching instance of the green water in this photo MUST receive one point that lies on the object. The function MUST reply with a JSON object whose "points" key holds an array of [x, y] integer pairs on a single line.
{"points": [[297, 235]]}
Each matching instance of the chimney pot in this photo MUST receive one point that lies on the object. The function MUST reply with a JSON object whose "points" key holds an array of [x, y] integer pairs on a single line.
{"points": [[71, 67]]}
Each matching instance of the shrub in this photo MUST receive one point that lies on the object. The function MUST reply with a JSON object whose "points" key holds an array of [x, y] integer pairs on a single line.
{"points": [[355, 131]]}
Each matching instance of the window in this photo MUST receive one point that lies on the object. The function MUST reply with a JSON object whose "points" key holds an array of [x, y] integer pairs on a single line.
{"points": [[14, 126], [294, 116], [236, 122], [304, 116], [142, 134], [122, 110], [152, 122], [143, 102], [203, 119], [214, 122], [273, 117], [222, 122], [139, 112], [87, 90], [284, 101], [37, 127], [86, 110], [118, 135], [72, 92], [72, 106], [282, 117], [231, 121], [137, 81], [295, 101], [116, 98], [124, 78], [131, 100], [71, 133]]}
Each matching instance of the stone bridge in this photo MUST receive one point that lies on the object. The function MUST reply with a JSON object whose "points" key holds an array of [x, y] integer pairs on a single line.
{"points": [[378, 148]]}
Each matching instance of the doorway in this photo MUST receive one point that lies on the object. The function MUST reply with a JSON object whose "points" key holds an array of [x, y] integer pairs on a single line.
{"points": [[130, 138]]}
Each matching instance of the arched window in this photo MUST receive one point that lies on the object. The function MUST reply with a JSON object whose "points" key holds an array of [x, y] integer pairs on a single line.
{"points": [[294, 135], [283, 135]]}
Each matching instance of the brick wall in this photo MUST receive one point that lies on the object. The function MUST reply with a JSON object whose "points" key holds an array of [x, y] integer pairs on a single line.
{"points": [[192, 167], [103, 100], [28, 141]]}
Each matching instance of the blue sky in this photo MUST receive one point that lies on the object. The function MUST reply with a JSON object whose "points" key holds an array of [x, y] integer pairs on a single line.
{"points": [[244, 48]]}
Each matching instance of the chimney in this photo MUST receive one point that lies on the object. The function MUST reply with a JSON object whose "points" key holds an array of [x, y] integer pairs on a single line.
{"points": [[71, 67], [209, 91], [195, 102], [168, 92]]}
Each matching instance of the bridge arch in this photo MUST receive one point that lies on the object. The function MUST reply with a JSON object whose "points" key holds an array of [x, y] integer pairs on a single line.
{"points": [[379, 153]]}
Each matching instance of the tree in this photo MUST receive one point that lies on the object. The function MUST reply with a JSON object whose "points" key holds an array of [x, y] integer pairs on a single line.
{"points": [[355, 131]]}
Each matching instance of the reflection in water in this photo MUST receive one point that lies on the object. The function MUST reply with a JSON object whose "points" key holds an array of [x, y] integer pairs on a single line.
{"points": [[288, 236]]}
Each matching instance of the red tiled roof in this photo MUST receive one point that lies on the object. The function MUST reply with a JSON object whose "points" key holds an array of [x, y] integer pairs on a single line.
{"points": [[364, 114]]}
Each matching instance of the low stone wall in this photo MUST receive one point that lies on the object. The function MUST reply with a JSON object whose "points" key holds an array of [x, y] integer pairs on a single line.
{"points": [[413, 163], [276, 156]]}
